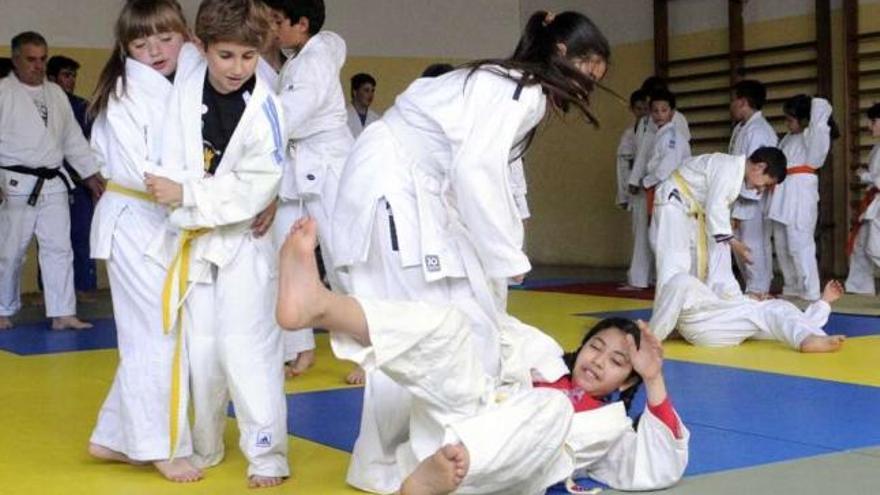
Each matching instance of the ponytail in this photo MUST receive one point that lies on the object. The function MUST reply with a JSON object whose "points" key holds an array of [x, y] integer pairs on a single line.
{"points": [[538, 60]]}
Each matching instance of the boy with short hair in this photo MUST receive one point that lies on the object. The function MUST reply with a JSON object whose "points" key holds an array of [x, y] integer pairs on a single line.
{"points": [[670, 147], [363, 89], [224, 126], [752, 132], [691, 221], [318, 137]]}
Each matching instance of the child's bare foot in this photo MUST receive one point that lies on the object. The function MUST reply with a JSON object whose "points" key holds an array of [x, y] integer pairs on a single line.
{"points": [[69, 322], [103, 453], [179, 470], [356, 377], [5, 323], [300, 289], [257, 481], [439, 474], [822, 343], [832, 292], [304, 360]]}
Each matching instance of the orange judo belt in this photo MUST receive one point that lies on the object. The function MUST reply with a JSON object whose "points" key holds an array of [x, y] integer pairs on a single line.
{"points": [[854, 231]]}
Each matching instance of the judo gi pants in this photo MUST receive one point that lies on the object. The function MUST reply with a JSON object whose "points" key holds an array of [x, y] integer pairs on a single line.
{"points": [[49, 220]]}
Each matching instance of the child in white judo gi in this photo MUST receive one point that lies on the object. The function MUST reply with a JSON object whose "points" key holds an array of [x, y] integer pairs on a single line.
{"points": [[555, 417], [863, 247], [317, 134], [670, 148], [704, 319], [794, 205], [752, 132], [426, 208], [691, 224], [626, 148], [225, 125], [38, 132], [626, 156], [141, 420], [641, 269]]}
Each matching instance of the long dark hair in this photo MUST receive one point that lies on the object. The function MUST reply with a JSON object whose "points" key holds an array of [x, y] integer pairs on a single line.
{"points": [[538, 60], [798, 106], [138, 18], [626, 326]]}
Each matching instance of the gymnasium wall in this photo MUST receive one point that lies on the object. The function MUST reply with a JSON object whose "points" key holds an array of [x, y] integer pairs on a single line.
{"points": [[571, 166]]}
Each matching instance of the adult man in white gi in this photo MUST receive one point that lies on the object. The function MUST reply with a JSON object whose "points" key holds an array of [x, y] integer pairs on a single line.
{"points": [[38, 132]]}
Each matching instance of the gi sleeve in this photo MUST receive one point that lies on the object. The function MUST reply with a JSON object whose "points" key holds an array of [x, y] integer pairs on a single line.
{"points": [[724, 181], [626, 154], [669, 151], [818, 134], [520, 188], [303, 92], [648, 459]]}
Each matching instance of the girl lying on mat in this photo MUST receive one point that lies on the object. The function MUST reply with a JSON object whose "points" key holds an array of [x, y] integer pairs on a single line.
{"points": [[545, 419]]}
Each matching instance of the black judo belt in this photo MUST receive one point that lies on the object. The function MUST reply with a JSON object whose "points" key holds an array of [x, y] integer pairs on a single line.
{"points": [[42, 174]]}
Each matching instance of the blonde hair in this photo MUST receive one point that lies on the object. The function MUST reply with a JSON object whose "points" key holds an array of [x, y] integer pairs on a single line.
{"points": [[245, 22], [138, 19]]}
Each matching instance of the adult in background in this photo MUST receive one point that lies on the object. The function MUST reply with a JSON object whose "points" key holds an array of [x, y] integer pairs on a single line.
{"points": [[37, 133], [62, 71]]}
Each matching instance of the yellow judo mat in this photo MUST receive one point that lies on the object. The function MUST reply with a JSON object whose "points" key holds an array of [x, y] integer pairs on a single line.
{"points": [[50, 402]]}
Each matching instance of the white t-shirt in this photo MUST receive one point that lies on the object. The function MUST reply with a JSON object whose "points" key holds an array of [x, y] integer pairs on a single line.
{"points": [[38, 95]]}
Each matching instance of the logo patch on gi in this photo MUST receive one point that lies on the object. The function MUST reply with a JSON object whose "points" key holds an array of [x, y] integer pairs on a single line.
{"points": [[264, 439], [672, 144], [13, 182], [432, 263]]}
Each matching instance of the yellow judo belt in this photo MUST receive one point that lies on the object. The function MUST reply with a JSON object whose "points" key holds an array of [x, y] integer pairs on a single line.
{"points": [[696, 210], [131, 193], [179, 269]]}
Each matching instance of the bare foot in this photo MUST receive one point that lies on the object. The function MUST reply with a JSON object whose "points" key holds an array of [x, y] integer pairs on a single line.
{"points": [[304, 360], [5, 323], [179, 470], [257, 481], [832, 292], [69, 322], [103, 453], [300, 289], [356, 377], [822, 343], [439, 474]]}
